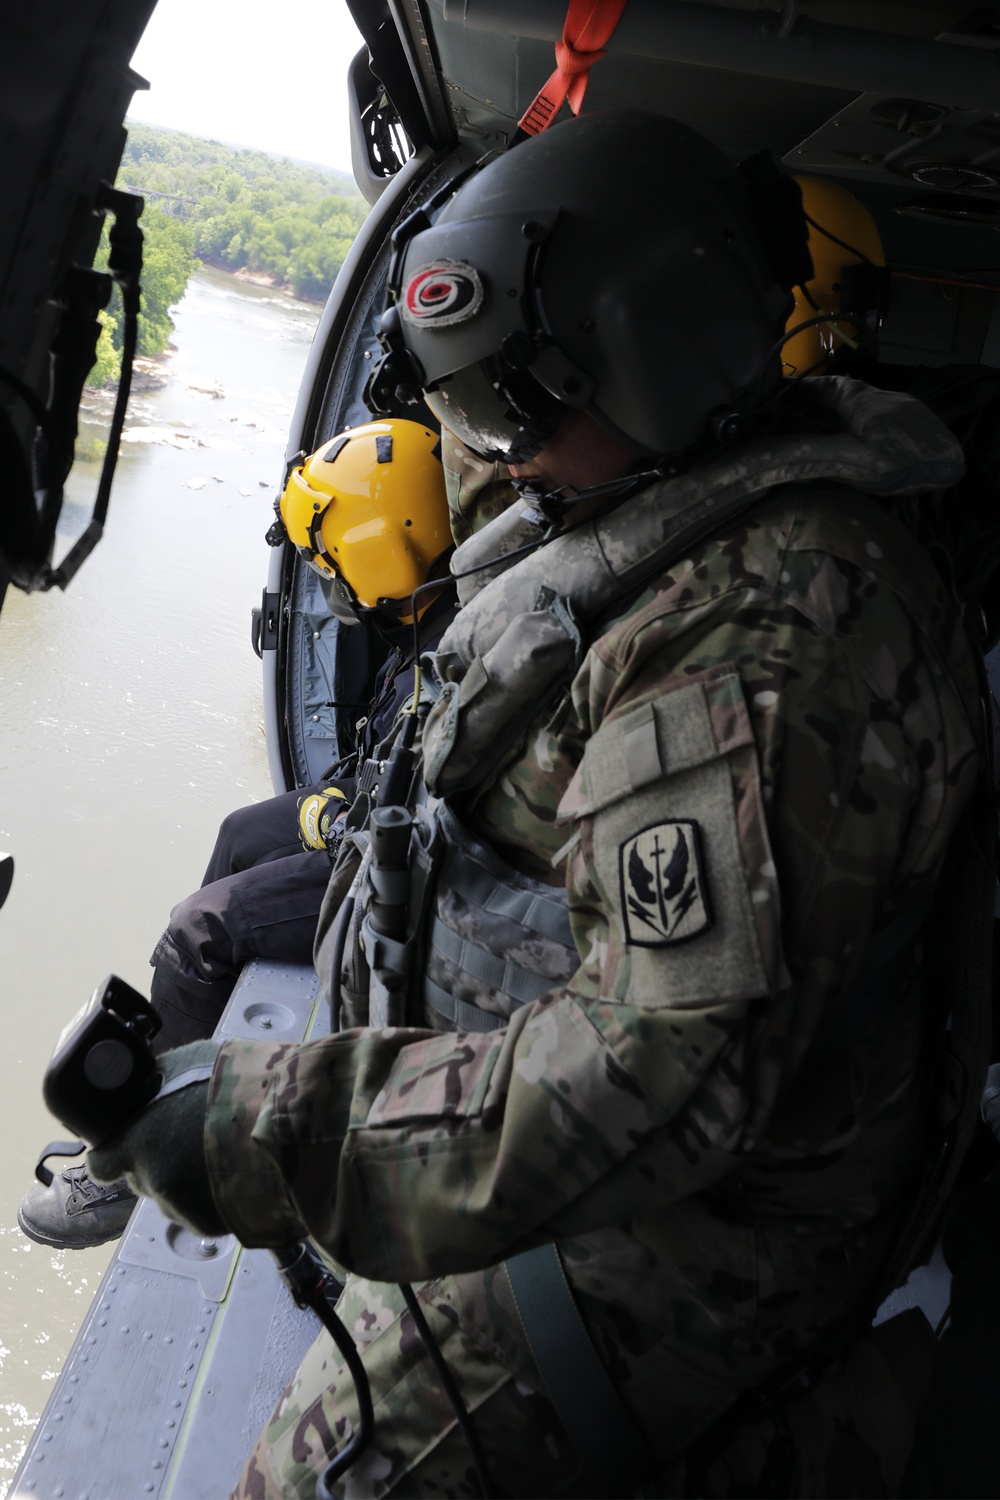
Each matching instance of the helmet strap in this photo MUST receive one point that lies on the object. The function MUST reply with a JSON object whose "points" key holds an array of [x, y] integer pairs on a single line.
{"points": [[553, 504]]}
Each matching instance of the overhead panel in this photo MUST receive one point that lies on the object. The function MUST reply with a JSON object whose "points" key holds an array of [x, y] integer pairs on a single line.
{"points": [[494, 60], [902, 101], [911, 141], [782, 45]]}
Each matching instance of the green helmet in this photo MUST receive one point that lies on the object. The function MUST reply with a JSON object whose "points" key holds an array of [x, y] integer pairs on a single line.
{"points": [[615, 264]]}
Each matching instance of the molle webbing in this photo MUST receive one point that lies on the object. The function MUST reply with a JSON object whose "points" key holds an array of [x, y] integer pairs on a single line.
{"points": [[497, 939]]}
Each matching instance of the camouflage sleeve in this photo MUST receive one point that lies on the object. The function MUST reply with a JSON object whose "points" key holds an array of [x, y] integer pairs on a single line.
{"points": [[751, 799], [478, 490]]}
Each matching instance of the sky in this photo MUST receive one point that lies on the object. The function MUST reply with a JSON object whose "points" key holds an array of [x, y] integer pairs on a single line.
{"points": [[270, 75]]}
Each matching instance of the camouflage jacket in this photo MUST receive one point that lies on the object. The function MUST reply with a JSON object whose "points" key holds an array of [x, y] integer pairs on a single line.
{"points": [[760, 756]]}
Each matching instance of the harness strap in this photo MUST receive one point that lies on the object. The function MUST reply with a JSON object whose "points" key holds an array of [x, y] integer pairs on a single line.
{"points": [[544, 914], [587, 28], [466, 1017], [521, 985], [596, 1420]]}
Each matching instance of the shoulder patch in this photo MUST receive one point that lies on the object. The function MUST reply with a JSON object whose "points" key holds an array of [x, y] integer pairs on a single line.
{"points": [[664, 895]]}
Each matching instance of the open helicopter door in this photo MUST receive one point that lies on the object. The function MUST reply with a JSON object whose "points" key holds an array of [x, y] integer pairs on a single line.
{"points": [[61, 128], [188, 1342]]}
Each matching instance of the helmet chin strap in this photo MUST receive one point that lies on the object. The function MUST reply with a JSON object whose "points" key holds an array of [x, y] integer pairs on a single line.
{"points": [[554, 503], [725, 427]]}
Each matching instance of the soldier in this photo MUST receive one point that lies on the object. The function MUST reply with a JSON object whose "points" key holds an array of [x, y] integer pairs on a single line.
{"points": [[369, 513], [699, 739]]}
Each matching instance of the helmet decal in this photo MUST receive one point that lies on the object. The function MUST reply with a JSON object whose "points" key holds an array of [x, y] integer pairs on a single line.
{"points": [[442, 293]]}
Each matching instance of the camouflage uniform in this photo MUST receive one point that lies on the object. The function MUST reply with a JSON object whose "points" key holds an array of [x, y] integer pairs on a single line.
{"points": [[478, 490], [758, 760]]}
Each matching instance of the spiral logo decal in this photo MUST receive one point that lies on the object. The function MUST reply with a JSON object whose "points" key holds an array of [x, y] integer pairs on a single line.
{"points": [[442, 293]]}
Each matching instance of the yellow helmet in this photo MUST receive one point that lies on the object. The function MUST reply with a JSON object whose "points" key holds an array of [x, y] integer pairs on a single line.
{"points": [[842, 235], [368, 511]]}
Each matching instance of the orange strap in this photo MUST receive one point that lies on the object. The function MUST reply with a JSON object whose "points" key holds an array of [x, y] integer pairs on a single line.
{"points": [[588, 25]]}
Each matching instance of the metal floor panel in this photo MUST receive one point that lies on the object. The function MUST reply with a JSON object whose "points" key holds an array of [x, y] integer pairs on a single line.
{"points": [[188, 1342], [117, 1409], [262, 1340]]}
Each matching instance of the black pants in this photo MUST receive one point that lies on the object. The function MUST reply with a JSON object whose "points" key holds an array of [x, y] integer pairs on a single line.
{"points": [[954, 1454], [260, 898]]}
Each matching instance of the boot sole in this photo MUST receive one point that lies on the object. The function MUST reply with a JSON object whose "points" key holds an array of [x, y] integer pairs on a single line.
{"points": [[65, 1242]]}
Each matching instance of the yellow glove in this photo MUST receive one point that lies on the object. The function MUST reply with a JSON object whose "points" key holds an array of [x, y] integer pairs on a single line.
{"points": [[320, 811]]}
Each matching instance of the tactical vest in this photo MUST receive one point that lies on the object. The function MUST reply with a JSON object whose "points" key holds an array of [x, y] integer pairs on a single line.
{"points": [[495, 938], [481, 938], [478, 938]]}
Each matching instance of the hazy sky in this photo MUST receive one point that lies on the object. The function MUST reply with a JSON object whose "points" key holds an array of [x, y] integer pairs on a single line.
{"points": [[271, 75]]}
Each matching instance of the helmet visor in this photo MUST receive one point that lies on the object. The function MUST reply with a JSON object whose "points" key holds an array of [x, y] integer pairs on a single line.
{"points": [[510, 424]]}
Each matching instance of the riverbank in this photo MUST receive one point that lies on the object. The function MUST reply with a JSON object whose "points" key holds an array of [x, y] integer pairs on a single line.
{"points": [[261, 278], [150, 372], [272, 283]]}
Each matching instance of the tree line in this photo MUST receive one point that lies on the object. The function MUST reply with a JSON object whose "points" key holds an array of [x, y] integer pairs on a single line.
{"points": [[238, 209]]}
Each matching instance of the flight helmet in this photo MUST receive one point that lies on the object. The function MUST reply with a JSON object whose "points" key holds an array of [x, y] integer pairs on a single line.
{"points": [[849, 278], [615, 264], [368, 512]]}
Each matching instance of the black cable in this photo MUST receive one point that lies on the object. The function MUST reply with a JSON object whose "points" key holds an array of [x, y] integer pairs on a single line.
{"points": [[450, 580], [312, 1285], [787, 381], [486, 1482], [852, 249], [126, 264], [617, 489]]}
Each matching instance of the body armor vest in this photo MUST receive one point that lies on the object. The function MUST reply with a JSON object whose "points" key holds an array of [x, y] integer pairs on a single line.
{"points": [[496, 939], [482, 939]]}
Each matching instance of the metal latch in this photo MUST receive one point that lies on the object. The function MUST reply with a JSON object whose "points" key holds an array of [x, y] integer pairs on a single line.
{"points": [[264, 624]]}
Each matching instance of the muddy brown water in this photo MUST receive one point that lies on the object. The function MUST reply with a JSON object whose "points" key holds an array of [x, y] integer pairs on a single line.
{"points": [[131, 721]]}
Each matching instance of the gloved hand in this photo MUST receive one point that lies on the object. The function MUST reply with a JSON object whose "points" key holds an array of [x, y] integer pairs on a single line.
{"points": [[321, 813], [161, 1150]]}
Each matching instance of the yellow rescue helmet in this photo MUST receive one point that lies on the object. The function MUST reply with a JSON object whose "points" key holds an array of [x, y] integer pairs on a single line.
{"points": [[368, 511], [842, 234]]}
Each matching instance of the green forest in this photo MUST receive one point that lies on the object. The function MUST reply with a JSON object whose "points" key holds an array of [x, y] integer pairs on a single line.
{"points": [[238, 209]]}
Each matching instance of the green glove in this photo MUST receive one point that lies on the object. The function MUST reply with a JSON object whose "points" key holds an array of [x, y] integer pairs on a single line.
{"points": [[161, 1150]]}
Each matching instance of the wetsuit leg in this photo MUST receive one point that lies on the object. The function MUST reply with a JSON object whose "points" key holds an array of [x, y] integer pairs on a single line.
{"points": [[267, 911], [259, 832], [955, 1449]]}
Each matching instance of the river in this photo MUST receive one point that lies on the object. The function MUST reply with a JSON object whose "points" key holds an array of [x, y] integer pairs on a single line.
{"points": [[131, 723]]}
